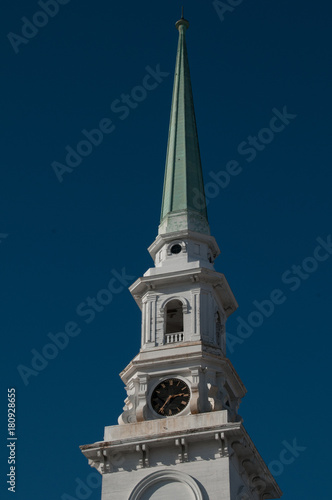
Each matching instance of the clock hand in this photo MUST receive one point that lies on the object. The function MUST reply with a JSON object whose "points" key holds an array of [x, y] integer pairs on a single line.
{"points": [[162, 408], [178, 395]]}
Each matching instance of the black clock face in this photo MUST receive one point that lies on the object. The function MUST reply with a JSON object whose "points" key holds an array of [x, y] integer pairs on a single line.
{"points": [[170, 397]]}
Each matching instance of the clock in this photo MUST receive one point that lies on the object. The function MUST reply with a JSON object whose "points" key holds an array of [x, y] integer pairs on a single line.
{"points": [[170, 397]]}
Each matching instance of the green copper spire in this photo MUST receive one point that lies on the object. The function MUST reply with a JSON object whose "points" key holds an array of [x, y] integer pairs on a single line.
{"points": [[183, 205]]}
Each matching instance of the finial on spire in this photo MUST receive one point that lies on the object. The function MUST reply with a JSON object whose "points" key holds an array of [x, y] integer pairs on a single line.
{"points": [[182, 21]]}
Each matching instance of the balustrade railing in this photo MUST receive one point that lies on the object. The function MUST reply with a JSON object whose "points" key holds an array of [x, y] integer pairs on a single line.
{"points": [[171, 338]]}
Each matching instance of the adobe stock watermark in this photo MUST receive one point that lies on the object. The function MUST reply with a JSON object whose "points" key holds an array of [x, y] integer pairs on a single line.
{"points": [[88, 309], [3, 236], [84, 489], [227, 6], [30, 27], [287, 456], [293, 279], [249, 148], [121, 108]]}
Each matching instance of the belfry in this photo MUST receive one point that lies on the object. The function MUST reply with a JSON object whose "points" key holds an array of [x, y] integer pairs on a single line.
{"points": [[180, 435]]}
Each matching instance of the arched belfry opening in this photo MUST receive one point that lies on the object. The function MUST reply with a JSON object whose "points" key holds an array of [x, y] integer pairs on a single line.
{"points": [[174, 317]]}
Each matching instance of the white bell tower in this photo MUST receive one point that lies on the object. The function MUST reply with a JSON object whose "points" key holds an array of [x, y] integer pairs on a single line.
{"points": [[180, 435]]}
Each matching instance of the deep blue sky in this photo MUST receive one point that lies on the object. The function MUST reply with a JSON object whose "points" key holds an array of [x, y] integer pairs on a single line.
{"points": [[59, 242]]}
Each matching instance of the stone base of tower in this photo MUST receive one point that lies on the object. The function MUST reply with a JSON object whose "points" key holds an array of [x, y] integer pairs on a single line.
{"points": [[194, 457]]}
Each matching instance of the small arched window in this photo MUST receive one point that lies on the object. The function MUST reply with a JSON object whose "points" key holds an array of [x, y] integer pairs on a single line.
{"points": [[174, 317]]}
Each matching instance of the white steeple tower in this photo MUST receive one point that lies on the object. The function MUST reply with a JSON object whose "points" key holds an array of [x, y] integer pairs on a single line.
{"points": [[180, 435]]}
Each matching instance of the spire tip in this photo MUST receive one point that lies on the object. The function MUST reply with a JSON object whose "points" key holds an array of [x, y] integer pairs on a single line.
{"points": [[182, 21]]}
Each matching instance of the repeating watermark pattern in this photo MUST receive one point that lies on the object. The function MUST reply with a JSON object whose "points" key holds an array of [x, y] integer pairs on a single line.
{"points": [[287, 456], [293, 279], [3, 236], [84, 489], [249, 148], [30, 28], [122, 108], [88, 309], [225, 7]]}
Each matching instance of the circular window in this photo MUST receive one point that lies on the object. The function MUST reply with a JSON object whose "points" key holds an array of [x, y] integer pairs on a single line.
{"points": [[176, 248]]}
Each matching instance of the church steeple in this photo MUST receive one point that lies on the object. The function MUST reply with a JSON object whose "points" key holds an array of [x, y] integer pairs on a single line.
{"points": [[180, 434], [183, 205]]}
